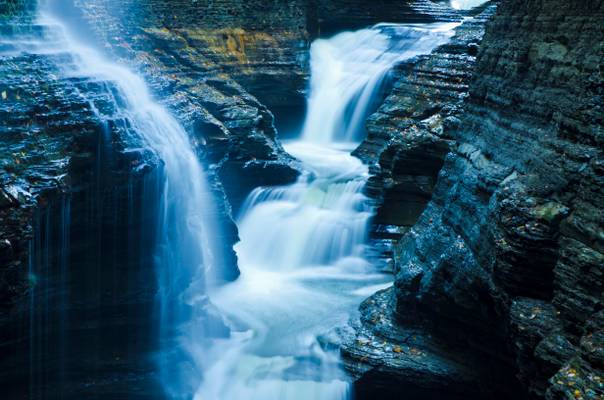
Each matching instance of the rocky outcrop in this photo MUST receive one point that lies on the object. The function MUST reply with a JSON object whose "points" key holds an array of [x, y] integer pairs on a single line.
{"points": [[388, 358], [506, 260], [408, 136]]}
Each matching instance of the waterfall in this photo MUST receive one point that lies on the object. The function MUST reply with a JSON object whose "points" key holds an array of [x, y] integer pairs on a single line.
{"points": [[302, 250], [347, 71], [185, 255], [466, 4]]}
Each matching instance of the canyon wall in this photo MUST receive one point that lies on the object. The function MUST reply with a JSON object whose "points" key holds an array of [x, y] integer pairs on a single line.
{"points": [[262, 45], [504, 268]]}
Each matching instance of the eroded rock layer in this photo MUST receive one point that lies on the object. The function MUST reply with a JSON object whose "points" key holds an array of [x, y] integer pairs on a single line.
{"points": [[74, 272], [408, 136], [261, 45], [506, 260]]}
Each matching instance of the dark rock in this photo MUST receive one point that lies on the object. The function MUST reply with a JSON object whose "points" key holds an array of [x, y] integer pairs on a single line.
{"points": [[408, 137], [576, 380], [592, 342], [387, 358], [555, 350], [76, 288], [509, 247]]}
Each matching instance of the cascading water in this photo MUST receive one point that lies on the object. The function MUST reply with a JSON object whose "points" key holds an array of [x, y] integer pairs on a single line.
{"points": [[301, 253], [185, 255], [348, 70], [466, 4]]}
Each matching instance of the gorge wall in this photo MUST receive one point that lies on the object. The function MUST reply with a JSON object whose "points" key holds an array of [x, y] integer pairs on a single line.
{"points": [[74, 276], [261, 45], [504, 268]]}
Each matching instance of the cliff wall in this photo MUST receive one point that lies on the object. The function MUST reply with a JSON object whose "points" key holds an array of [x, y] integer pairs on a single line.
{"points": [[505, 263]]}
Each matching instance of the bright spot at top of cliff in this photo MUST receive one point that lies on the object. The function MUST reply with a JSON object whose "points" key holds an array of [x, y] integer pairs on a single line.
{"points": [[466, 4]]}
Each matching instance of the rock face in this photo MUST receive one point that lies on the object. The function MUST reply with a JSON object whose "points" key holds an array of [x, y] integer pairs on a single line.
{"points": [[505, 264], [74, 270], [408, 136]]}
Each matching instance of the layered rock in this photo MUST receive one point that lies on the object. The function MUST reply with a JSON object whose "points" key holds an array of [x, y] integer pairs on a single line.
{"points": [[262, 46], [409, 136], [506, 260], [74, 265]]}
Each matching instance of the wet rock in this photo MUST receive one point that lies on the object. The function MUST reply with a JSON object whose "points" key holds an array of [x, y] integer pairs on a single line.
{"points": [[576, 380], [592, 341], [73, 229], [385, 358], [509, 246], [7, 200], [409, 135]]}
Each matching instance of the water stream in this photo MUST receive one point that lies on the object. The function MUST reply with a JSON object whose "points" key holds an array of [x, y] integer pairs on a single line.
{"points": [[348, 71], [302, 252]]}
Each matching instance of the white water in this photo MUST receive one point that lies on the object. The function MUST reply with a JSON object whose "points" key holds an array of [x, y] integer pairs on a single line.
{"points": [[466, 4], [185, 255], [347, 71], [302, 249], [301, 260]]}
